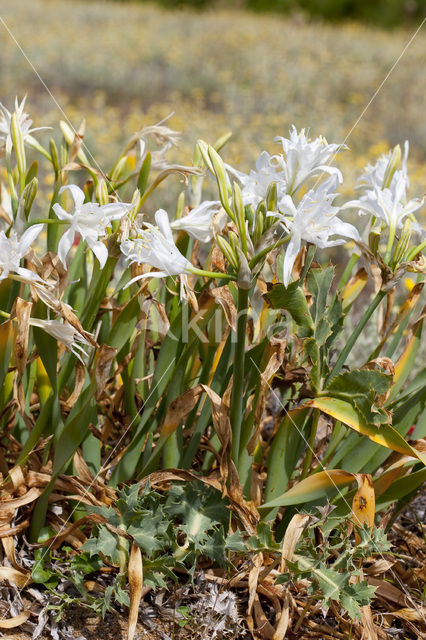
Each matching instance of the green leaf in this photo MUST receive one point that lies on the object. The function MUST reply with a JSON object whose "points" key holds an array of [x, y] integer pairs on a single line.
{"points": [[319, 283], [360, 387], [144, 173], [284, 454], [293, 300], [7, 332], [384, 435], [319, 485]]}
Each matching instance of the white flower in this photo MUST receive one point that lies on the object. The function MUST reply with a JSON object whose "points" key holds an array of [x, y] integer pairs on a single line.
{"points": [[254, 186], [65, 333], [24, 122], [306, 159], [90, 220], [313, 220], [201, 221], [155, 246], [387, 204], [374, 174], [13, 249]]}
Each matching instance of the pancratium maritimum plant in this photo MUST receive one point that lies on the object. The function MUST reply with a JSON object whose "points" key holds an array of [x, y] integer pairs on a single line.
{"points": [[185, 390]]}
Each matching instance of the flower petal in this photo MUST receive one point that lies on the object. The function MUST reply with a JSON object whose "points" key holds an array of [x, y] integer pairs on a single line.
{"points": [[290, 257], [64, 246], [28, 238], [76, 193]]}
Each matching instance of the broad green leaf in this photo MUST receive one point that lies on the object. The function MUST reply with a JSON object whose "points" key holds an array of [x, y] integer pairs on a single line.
{"points": [[360, 387], [319, 283], [285, 451], [293, 300], [125, 324], [384, 435], [317, 486]]}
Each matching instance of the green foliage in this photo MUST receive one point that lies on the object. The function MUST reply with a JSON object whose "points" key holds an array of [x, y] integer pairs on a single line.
{"points": [[326, 556]]}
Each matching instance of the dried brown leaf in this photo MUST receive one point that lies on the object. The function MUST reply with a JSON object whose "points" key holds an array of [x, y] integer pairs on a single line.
{"points": [[135, 576]]}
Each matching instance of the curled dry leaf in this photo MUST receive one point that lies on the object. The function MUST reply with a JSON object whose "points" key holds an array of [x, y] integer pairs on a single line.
{"points": [[16, 621], [135, 576], [20, 578], [223, 296]]}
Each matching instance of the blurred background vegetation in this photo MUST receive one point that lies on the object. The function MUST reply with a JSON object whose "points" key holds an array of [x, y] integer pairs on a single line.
{"points": [[385, 13], [126, 65]]}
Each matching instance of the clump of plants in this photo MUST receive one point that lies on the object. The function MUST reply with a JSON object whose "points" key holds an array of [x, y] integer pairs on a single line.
{"points": [[140, 350]]}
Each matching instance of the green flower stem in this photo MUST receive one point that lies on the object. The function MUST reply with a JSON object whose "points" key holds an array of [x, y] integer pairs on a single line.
{"points": [[390, 244], [348, 270], [236, 409], [258, 257], [311, 443], [356, 333], [47, 221], [415, 251], [212, 274], [345, 276]]}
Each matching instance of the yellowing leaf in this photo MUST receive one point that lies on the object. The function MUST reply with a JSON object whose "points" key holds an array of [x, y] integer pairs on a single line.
{"points": [[364, 503], [384, 435], [354, 288], [316, 486]]}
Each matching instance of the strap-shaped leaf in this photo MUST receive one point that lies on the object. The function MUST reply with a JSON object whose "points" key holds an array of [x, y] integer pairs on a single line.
{"points": [[384, 435], [319, 485]]}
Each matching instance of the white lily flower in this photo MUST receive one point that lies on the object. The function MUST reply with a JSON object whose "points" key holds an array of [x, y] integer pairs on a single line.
{"points": [[65, 333], [155, 246], [254, 185], [313, 220], [24, 122], [306, 158], [90, 220], [374, 174], [13, 249], [387, 204], [201, 222]]}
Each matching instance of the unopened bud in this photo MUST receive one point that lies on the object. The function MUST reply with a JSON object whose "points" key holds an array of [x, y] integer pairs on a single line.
{"points": [[54, 155], [271, 197], [101, 191], [28, 196], [18, 145], [228, 251], [393, 165], [67, 132], [222, 181], [119, 169], [258, 227]]}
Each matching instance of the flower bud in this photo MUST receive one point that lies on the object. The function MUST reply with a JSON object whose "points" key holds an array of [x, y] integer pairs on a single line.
{"points": [[393, 165], [227, 251], [222, 182], [271, 197], [119, 169], [258, 227], [67, 132], [18, 145], [54, 155], [28, 196], [101, 191]]}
